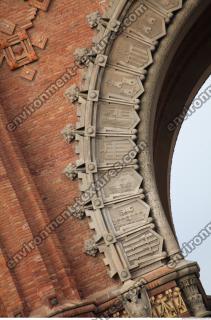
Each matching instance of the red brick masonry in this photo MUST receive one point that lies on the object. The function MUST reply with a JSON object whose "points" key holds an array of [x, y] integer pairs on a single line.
{"points": [[33, 190]]}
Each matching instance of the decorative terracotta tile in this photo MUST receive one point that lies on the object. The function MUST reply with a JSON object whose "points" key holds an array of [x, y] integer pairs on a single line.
{"points": [[18, 50], [28, 73], [40, 4], [31, 14], [39, 40], [25, 25], [7, 26]]}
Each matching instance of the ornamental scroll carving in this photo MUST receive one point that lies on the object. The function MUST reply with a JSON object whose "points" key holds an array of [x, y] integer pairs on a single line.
{"points": [[107, 106]]}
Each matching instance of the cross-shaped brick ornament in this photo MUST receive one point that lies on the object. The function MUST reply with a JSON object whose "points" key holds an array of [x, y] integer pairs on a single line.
{"points": [[18, 50]]}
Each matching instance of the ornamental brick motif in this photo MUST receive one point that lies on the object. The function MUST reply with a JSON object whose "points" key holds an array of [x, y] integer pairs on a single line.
{"points": [[18, 48]]}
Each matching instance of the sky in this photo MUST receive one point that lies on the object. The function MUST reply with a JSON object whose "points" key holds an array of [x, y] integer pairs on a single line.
{"points": [[191, 185]]}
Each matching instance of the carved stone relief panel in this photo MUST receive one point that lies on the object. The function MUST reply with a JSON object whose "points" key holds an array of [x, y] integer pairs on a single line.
{"points": [[142, 248], [169, 304], [126, 183], [127, 215], [150, 25], [116, 117], [122, 86], [112, 149], [168, 5], [130, 54]]}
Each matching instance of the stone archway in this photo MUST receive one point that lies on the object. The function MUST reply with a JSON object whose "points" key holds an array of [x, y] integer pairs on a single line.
{"points": [[125, 146]]}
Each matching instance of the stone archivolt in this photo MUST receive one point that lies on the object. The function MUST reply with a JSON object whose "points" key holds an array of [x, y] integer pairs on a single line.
{"points": [[134, 244], [125, 231], [107, 105]]}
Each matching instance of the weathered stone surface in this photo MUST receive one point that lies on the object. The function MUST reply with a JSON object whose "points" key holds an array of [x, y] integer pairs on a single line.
{"points": [[116, 117], [137, 303], [130, 54], [127, 215], [111, 149], [149, 24], [126, 183], [120, 85], [169, 5], [190, 287]]}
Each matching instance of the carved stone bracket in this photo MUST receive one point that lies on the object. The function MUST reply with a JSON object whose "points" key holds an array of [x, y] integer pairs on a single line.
{"points": [[83, 56], [72, 93], [69, 133], [71, 172], [94, 19], [91, 248], [136, 302]]}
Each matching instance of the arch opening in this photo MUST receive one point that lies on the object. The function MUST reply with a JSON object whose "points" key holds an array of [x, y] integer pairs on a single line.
{"points": [[187, 72], [191, 183]]}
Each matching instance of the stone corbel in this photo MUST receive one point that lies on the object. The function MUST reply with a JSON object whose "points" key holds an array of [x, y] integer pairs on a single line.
{"points": [[69, 133], [91, 248], [136, 302], [72, 93], [94, 19], [71, 172], [83, 56]]}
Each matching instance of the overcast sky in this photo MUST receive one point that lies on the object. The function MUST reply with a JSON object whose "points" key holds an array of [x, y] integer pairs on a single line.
{"points": [[191, 185]]}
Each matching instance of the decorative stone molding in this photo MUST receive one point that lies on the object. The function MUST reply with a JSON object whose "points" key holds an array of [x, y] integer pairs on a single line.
{"points": [[189, 286], [107, 105]]}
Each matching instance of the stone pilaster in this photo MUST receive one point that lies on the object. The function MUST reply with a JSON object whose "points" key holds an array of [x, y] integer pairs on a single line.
{"points": [[189, 286]]}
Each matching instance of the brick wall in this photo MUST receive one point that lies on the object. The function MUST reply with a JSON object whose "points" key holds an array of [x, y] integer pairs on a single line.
{"points": [[39, 192]]}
